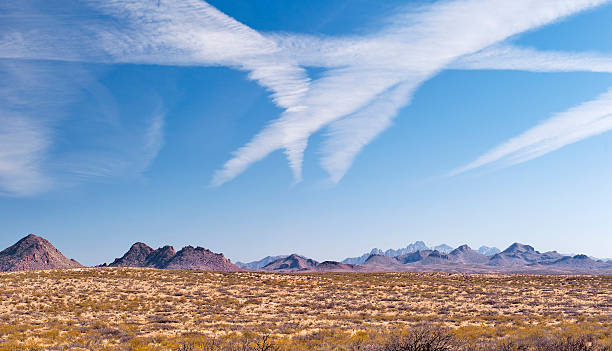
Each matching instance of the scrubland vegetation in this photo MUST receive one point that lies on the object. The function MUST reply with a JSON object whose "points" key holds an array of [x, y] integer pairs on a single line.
{"points": [[148, 309]]}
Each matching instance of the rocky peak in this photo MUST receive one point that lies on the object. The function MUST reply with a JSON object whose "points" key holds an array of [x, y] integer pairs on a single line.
{"points": [[518, 247], [189, 257], [33, 252], [135, 257], [463, 248]]}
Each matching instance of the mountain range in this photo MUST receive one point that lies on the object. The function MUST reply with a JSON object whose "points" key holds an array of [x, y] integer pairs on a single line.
{"points": [[417, 257], [259, 263], [33, 252], [414, 247]]}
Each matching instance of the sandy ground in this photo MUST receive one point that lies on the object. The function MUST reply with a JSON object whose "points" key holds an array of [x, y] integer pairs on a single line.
{"points": [[110, 307]]}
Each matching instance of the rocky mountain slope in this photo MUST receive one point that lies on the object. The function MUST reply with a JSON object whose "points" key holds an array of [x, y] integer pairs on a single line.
{"points": [[464, 254], [34, 252], [291, 263], [189, 258], [297, 263], [361, 259], [259, 263], [520, 254]]}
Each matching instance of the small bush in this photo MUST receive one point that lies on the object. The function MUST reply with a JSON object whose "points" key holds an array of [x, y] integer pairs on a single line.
{"points": [[422, 339]]}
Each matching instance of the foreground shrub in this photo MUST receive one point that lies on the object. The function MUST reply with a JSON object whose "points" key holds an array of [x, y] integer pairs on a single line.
{"points": [[422, 339]]}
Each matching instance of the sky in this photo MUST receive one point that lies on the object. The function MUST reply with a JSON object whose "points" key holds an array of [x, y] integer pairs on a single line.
{"points": [[325, 128]]}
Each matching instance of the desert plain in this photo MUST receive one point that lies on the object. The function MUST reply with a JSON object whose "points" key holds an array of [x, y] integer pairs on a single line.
{"points": [[152, 309]]}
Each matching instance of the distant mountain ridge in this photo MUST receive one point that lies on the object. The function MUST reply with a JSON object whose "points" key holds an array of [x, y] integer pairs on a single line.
{"points": [[517, 258], [520, 254], [32, 253], [188, 258], [297, 263], [259, 263], [361, 259], [414, 247], [488, 251]]}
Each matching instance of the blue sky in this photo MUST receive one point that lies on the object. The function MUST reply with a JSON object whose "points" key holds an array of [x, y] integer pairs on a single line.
{"points": [[323, 128]]}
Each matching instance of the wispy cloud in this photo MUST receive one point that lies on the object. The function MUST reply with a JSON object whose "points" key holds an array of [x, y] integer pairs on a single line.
{"points": [[508, 57], [23, 143], [43, 145], [125, 148], [31, 94], [583, 121], [368, 78], [346, 137], [189, 32], [415, 46], [146, 32]]}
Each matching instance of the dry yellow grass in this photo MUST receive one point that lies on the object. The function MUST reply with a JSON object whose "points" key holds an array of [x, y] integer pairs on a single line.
{"points": [[127, 308]]}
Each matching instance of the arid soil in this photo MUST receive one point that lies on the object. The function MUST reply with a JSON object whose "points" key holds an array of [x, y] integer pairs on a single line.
{"points": [[151, 309]]}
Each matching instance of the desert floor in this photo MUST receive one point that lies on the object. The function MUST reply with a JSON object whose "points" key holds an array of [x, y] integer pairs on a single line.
{"points": [[148, 309]]}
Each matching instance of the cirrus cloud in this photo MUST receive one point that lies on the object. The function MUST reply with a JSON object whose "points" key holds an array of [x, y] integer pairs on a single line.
{"points": [[368, 78]]}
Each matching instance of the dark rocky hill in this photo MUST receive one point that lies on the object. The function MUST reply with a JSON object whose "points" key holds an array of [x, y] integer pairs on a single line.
{"points": [[436, 257], [520, 254], [291, 263], [135, 257], [381, 263], [465, 254], [414, 256], [189, 258], [199, 258], [34, 252], [161, 257]]}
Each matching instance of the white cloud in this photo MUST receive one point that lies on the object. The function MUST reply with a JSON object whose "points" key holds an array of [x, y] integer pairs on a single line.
{"points": [[346, 137], [368, 78], [588, 119], [150, 32], [23, 143], [189, 32], [154, 137], [29, 95], [508, 57], [119, 146], [43, 146], [417, 45]]}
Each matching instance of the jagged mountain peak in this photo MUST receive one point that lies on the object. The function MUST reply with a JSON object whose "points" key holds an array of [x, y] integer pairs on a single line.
{"points": [[189, 257]]}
